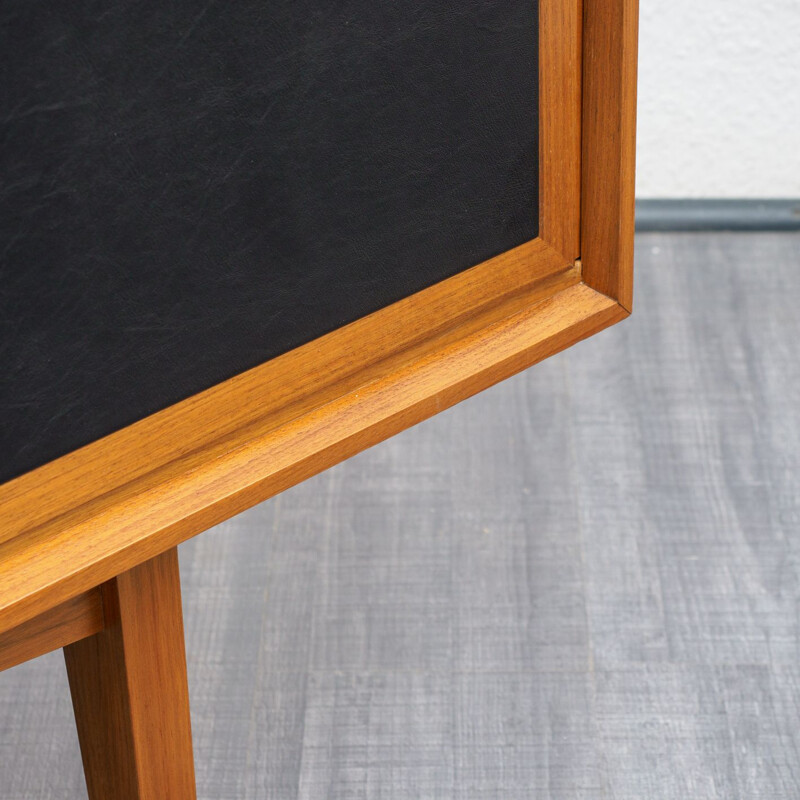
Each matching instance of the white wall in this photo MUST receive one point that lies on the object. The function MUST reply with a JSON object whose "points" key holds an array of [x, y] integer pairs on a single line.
{"points": [[719, 98]]}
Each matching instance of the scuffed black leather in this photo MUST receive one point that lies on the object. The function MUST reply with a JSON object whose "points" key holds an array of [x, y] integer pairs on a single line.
{"points": [[188, 189]]}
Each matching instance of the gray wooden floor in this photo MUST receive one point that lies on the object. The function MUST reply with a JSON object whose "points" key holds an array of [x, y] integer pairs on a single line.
{"points": [[584, 583]]}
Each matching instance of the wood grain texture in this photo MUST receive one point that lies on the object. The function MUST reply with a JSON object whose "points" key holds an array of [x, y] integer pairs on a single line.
{"points": [[114, 532], [560, 125], [560, 46], [129, 690], [59, 626], [299, 380], [610, 41]]}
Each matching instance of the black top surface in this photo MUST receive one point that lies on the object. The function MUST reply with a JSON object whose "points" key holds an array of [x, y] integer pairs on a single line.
{"points": [[189, 189]]}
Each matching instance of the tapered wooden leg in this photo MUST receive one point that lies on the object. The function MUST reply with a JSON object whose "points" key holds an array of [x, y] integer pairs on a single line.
{"points": [[129, 690]]}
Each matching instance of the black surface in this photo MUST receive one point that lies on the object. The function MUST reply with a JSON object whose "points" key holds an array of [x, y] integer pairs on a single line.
{"points": [[190, 189]]}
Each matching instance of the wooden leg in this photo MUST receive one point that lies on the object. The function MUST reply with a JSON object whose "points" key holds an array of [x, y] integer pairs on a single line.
{"points": [[129, 690]]}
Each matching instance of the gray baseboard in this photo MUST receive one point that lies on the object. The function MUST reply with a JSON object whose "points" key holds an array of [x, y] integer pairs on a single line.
{"points": [[718, 215]]}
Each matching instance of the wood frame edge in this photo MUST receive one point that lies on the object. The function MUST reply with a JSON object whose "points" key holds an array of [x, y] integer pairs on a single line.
{"points": [[103, 539], [610, 47], [59, 626], [560, 81]]}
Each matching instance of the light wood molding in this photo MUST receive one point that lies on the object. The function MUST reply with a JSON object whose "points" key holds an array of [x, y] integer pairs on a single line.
{"points": [[114, 531], [75, 619], [560, 126], [610, 41]]}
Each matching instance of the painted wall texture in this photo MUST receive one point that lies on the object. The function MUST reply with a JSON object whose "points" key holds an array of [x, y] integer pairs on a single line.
{"points": [[719, 98]]}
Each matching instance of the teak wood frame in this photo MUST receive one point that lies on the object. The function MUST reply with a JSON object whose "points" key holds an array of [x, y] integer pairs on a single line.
{"points": [[88, 540]]}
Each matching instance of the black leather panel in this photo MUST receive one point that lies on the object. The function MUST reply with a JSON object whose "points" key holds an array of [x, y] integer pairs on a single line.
{"points": [[188, 189]]}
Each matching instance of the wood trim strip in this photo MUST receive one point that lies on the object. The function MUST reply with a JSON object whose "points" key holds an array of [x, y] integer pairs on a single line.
{"points": [[114, 532], [60, 626], [560, 51], [610, 30], [287, 385]]}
